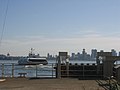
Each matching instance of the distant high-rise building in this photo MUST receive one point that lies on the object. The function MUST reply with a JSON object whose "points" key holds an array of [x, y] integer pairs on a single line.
{"points": [[84, 54], [73, 55], [78, 56], [93, 54], [119, 53], [48, 55], [101, 50], [114, 53]]}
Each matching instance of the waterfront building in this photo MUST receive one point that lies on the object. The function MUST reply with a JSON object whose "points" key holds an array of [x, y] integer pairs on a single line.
{"points": [[93, 54], [51, 57], [119, 53], [73, 56], [84, 54], [48, 55], [101, 50], [78, 56], [88, 57], [114, 53]]}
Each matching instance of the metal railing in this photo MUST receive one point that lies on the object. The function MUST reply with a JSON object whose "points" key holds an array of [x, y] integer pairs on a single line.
{"points": [[13, 70], [50, 70]]}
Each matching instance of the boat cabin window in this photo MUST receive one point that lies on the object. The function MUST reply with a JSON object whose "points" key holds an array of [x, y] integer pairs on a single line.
{"points": [[37, 60]]}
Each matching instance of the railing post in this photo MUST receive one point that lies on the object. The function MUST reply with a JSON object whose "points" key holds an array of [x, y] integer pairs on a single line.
{"points": [[2, 70], [67, 67], [109, 83], [52, 70], [36, 71], [83, 70], [12, 69], [59, 68]]}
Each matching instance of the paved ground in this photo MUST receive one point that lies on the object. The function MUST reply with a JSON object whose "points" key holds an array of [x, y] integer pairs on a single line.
{"points": [[49, 84]]}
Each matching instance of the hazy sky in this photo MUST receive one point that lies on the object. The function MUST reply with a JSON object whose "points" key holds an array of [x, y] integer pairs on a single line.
{"points": [[59, 25]]}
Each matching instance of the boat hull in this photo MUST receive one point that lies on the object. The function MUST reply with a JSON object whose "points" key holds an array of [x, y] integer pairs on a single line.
{"points": [[33, 61]]}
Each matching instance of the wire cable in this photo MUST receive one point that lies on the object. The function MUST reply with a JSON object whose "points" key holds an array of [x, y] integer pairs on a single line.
{"points": [[4, 22]]}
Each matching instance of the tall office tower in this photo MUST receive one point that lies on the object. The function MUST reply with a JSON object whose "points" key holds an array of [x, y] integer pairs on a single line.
{"points": [[84, 54], [93, 54], [101, 50], [48, 55], [73, 56], [119, 53], [78, 56], [114, 53]]}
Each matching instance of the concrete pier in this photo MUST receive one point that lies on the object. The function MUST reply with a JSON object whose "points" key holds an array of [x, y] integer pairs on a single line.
{"points": [[49, 84]]}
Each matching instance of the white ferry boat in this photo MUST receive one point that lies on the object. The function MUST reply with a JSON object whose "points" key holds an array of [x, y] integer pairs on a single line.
{"points": [[33, 59]]}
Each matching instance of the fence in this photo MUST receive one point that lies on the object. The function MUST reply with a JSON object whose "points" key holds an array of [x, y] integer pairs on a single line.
{"points": [[82, 71], [76, 71], [14, 70]]}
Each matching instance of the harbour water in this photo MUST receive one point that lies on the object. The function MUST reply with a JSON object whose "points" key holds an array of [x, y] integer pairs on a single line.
{"points": [[11, 68]]}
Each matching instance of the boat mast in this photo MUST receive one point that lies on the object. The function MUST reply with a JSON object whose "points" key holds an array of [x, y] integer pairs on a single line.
{"points": [[31, 53]]}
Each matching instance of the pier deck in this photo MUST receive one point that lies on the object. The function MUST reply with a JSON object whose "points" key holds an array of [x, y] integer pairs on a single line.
{"points": [[49, 84]]}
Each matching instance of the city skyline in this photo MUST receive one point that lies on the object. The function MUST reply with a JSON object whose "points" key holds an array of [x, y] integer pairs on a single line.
{"points": [[59, 25], [81, 55], [92, 53]]}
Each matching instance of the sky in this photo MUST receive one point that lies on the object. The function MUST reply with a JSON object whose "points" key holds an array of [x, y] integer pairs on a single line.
{"points": [[50, 26]]}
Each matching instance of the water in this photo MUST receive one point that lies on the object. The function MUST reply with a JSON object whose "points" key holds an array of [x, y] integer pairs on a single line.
{"points": [[31, 70], [8, 61]]}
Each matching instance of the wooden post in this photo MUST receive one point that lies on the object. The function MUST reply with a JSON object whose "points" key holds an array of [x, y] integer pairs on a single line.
{"points": [[12, 70], [59, 68], [2, 70], [83, 71], [67, 67], [52, 70], [36, 71]]}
